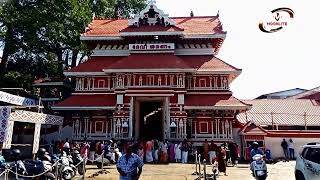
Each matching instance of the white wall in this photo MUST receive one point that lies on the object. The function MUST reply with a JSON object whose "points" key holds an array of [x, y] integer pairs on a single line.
{"points": [[274, 144], [65, 133]]}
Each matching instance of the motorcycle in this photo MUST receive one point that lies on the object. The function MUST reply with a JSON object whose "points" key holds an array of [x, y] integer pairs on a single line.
{"points": [[78, 160], [259, 167], [17, 166], [66, 168]]}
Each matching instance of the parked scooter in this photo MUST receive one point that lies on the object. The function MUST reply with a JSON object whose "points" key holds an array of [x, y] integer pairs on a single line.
{"points": [[66, 169], [259, 167], [17, 166], [78, 161]]}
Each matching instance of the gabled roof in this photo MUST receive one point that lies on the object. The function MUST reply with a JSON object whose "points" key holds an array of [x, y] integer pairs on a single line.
{"points": [[283, 94], [282, 112], [209, 63], [94, 64], [202, 25], [87, 102], [142, 62], [306, 94], [153, 62], [218, 101]]}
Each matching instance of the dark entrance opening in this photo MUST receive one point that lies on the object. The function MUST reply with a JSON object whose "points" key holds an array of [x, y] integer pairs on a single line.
{"points": [[151, 120]]}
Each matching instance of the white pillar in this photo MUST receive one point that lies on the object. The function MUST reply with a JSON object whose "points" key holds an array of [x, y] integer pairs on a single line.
{"points": [[90, 128], [36, 138], [178, 128], [195, 129], [223, 129], [212, 131], [185, 127], [131, 118], [167, 120], [73, 128], [80, 133], [218, 128], [8, 138], [231, 133], [114, 128]]}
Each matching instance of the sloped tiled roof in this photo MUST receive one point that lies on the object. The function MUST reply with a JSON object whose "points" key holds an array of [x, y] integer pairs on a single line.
{"points": [[155, 61], [150, 61], [97, 100], [282, 112], [306, 94], [189, 25], [218, 100], [95, 64], [208, 63]]}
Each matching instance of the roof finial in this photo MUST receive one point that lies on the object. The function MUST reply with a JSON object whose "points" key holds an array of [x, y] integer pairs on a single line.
{"points": [[191, 14], [218, 13]]}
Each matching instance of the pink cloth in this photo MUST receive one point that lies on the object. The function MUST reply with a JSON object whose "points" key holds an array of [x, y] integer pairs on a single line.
{"points": [[84, 150]]}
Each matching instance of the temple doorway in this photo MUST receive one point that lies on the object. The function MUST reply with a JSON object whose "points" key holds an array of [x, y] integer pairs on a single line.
{"points": [[149, 119]]}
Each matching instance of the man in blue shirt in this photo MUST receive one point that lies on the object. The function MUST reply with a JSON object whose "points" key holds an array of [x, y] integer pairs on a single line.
{"points": [[128, 165], [255, 150]]}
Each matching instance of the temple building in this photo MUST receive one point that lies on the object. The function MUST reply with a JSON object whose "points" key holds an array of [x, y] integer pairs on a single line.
{"points": [[153, 76]]}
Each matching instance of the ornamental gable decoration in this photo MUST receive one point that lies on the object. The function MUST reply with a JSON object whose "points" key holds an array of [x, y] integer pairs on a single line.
{"points": [[151, 16]]}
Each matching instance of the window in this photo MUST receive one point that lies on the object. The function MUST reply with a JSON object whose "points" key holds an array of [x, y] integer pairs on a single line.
{"points": [[101, 84], [99, 127], [203, 127], [119, 98], [180, 98], [313, 155]]}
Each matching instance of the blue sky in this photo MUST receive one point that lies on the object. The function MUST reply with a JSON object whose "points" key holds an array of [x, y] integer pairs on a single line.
{"points": [[269, 62]]}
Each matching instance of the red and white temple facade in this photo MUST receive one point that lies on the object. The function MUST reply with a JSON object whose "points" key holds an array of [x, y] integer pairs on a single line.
{"points": [[153, 76]]}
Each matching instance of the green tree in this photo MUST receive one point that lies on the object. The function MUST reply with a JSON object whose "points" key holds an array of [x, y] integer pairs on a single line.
{"points": [[32, 31]]}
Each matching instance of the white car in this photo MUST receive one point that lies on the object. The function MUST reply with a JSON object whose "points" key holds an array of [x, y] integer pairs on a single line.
{"points": [[308, 163]]}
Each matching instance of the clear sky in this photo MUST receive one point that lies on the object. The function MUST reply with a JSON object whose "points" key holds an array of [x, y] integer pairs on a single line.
{"points": [[269, 61]]}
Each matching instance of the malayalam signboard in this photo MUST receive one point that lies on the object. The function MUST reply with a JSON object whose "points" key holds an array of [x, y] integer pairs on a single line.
{"points": [[151, 47], [17, 100]]}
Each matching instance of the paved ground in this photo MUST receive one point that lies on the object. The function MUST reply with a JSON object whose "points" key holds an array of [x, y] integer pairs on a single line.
{"points": [[278, 171]]}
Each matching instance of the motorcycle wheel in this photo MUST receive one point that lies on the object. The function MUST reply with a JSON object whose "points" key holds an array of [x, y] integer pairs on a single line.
{"points": [[262, 178], [80, 169], [68, 175], [99, 165]]}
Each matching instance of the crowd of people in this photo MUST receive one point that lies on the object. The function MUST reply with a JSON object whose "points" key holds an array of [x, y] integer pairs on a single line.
{"points": [[154, 151]]}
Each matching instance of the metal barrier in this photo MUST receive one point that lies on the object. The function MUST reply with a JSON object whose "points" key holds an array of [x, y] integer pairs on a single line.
{"points": [[102, 170], [202, 173]]}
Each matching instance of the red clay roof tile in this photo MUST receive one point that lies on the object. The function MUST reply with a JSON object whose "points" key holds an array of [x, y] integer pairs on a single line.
{"points": [[88, 100], [189, 25]]}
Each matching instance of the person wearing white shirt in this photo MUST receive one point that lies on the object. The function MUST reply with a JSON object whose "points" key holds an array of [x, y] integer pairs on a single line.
{"points": [[66, 146], [291, 149]]}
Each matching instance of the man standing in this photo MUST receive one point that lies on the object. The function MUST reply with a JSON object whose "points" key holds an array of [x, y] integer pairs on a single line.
{"points": [[185, 149], [128, 164], [66, 146], [212, 151], [291, 149], [284, 146], [206, 150]]}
